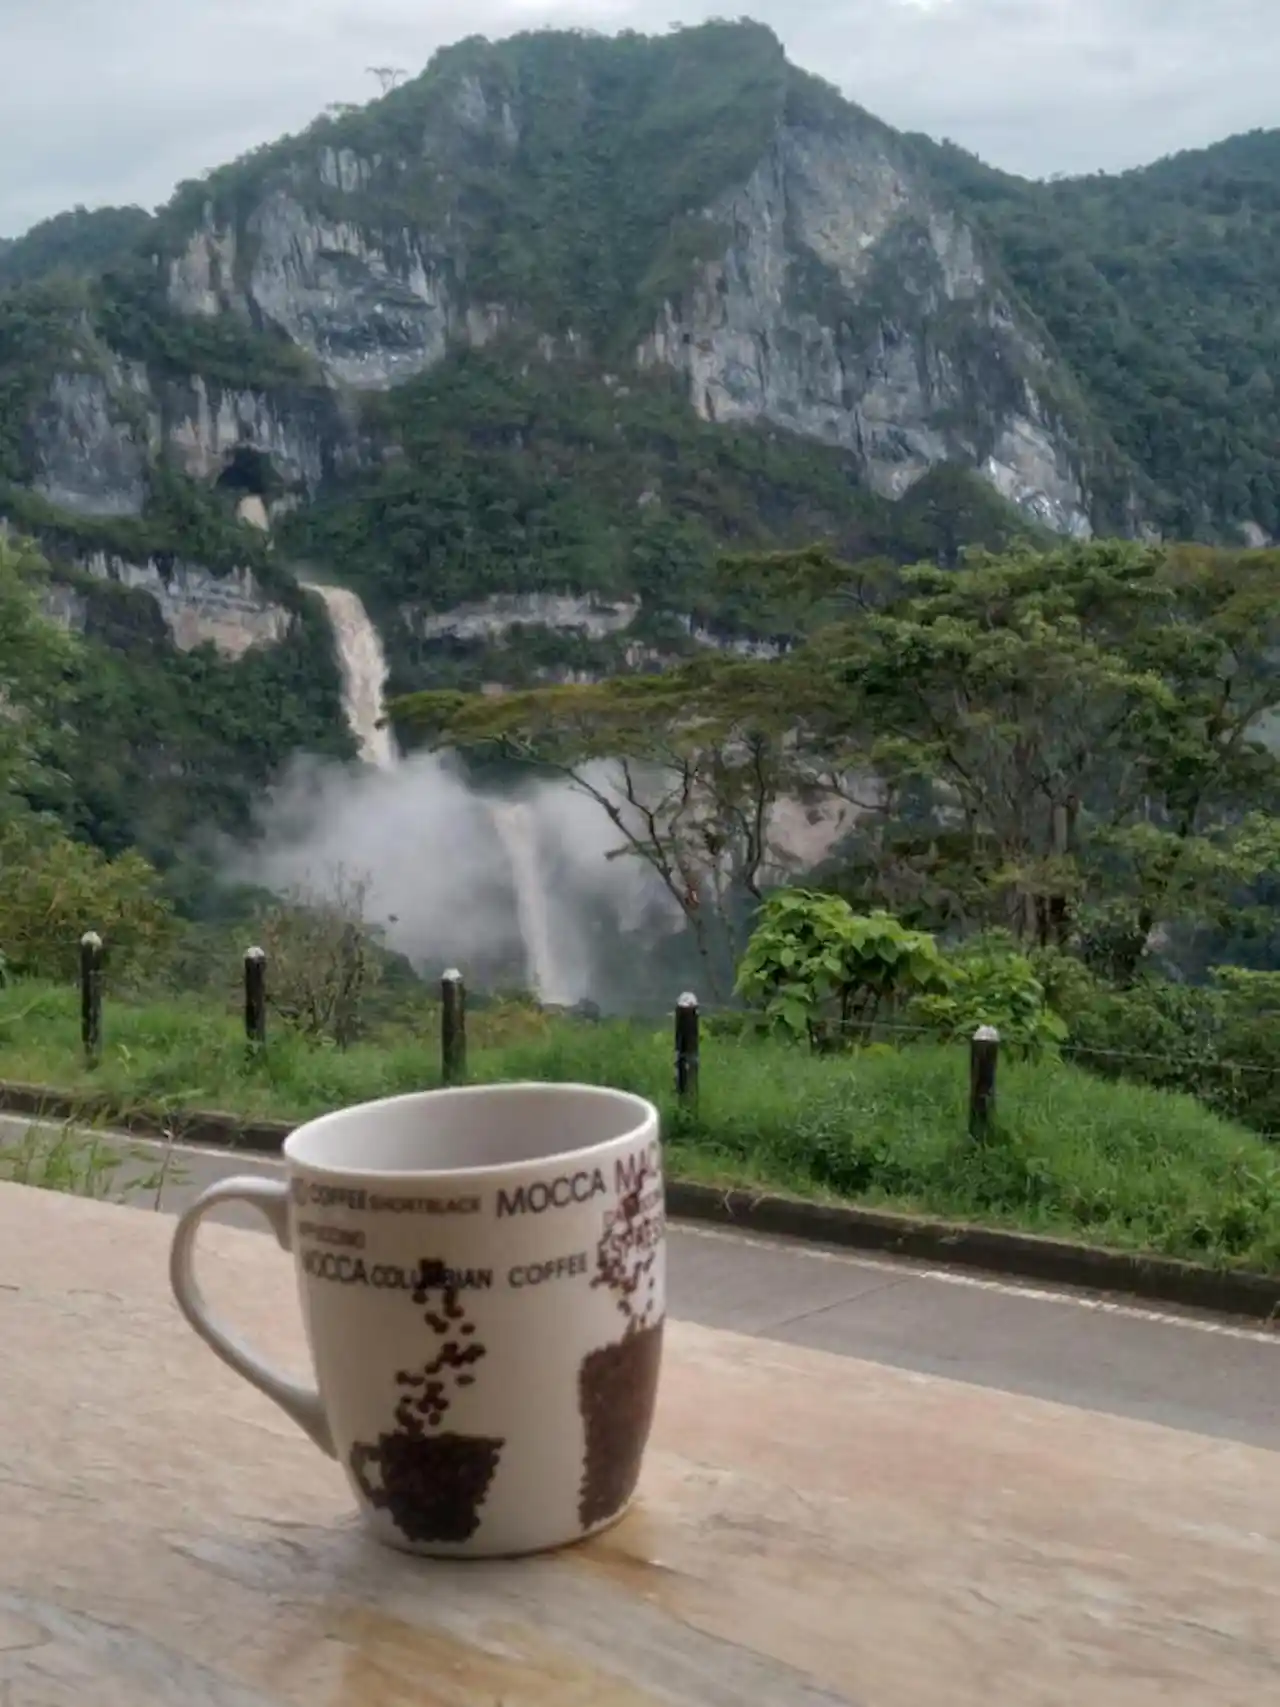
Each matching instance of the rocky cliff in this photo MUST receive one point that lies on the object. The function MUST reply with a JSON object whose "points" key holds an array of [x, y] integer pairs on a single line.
{"points": [[689, 207], [229, 612], [839, 297], [850, 307]]}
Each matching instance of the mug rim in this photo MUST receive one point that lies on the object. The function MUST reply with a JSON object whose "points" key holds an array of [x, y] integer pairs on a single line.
{"points": [[646, 1117]]}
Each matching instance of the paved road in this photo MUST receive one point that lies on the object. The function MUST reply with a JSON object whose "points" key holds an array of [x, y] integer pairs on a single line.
{"points": [[1185, 1371]]}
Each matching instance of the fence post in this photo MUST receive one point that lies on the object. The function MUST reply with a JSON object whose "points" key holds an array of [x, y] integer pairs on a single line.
{"points": [[687, 1049], [984, 1053], [91, 996], [255, 997], [453, 1028]]}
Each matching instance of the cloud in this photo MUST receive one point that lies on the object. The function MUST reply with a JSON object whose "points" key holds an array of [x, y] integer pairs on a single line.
{"points": [[117, 103]]}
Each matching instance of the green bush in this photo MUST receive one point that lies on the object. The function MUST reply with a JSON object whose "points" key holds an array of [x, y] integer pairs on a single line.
{"points": [[52, 890], [992, 984], [819, 969], [1218, 1042]]}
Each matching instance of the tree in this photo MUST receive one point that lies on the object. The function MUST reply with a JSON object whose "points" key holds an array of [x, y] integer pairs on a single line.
{"points": [[690, 767], [1077, 726], [34, 655]]}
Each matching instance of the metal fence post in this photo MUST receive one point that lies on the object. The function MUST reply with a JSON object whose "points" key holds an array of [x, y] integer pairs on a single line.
{"points": [[984, 1054], [255, 997], [453, 1028], [687, 1049], [91, 996]]}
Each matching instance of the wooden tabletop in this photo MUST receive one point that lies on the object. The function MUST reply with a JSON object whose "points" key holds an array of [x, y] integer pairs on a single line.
{"points": [[811, 1529]]}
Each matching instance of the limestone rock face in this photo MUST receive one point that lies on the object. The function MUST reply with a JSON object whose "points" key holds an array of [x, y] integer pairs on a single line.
{"points": [[848, 303], [90, 457], [229, 612], [829, 289], [849, 308]]}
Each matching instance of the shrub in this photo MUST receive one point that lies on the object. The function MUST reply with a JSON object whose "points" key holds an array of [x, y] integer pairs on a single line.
{"points": [[1219, 1042], [992, 984], [816, 966], [52, 890]]}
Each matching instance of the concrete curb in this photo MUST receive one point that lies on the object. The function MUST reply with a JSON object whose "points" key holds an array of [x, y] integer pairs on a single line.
{"points": [[989, 1250]]}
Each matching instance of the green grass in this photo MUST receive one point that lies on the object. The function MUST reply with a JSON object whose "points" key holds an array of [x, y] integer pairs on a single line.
{"points": [[1117, 1165]]}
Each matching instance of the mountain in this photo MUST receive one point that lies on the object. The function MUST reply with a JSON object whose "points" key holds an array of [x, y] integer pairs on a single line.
{"points": [[1160, 290], [516, 349]]}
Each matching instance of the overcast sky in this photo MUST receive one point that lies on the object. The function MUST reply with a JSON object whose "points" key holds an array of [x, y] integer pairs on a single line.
{"points": [[117, 100]]}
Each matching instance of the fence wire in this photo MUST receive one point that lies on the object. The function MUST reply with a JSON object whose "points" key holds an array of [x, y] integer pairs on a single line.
{"points": [[878, 1031]]}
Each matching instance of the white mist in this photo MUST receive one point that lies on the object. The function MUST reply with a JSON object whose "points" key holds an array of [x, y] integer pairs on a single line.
{"points": [[443, 863]]}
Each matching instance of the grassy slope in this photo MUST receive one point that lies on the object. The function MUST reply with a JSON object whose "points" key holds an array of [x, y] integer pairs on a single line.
{"points": [[1114, 1164]]}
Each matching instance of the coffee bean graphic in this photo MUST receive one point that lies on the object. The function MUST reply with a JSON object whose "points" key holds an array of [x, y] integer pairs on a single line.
{"points": [[617, 1389], [433, 1485], [618, 1383]]}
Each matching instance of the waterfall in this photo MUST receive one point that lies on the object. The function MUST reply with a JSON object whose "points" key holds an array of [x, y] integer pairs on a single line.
{"points": [[364, 678], [518, 832], [364, 673]]}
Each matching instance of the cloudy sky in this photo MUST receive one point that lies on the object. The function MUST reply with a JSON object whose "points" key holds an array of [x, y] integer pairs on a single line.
{"points": [[116, 100]]}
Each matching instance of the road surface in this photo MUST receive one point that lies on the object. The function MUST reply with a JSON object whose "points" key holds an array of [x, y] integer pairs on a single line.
{"points": [[1182, 1370]]}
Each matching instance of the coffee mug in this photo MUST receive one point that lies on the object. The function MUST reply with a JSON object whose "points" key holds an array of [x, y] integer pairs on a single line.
{"points": [[482, 1275]]}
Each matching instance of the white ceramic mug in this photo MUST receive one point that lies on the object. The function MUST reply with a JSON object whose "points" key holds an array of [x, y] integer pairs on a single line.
{"points": [[483, 1278]]}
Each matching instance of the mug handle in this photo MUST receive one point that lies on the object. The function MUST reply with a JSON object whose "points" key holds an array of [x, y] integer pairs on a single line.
{"points": [[301, 1404]]}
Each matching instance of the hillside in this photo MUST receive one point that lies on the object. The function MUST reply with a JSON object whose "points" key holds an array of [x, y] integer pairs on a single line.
{"points": [[518, 348], [1160, 289]]}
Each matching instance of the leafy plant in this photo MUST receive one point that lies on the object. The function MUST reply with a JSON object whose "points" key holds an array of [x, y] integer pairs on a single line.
{"points": [[822, 971], [993, 984], [1220, 1042]]}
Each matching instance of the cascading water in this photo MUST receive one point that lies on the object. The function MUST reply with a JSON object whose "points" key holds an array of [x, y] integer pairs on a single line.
{"points": [[518, 832], [364, 678], [364, 673]]}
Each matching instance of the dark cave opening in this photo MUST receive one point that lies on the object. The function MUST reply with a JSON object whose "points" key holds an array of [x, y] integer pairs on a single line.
{"points": [[249, 472]]}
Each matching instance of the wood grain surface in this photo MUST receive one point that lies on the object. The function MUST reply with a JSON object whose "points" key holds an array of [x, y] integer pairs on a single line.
{"points": [[811, 1529]]}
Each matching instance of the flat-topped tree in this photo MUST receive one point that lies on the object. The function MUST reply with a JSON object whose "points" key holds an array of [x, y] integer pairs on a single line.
{"points": [[689, 767]]}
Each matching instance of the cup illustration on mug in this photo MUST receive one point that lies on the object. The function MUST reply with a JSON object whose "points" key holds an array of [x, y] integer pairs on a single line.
{"points": [[618, 1382], [431, 1481]]}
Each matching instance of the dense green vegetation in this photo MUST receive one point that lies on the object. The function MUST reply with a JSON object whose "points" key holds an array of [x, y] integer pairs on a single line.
{"points": [[1113, 1164], [132, 744], [1161, 291], [1069, 762], [80, 243], [527, 477]]}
